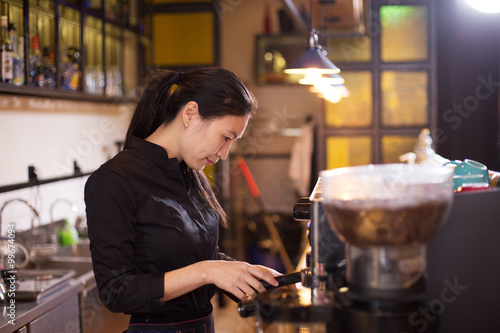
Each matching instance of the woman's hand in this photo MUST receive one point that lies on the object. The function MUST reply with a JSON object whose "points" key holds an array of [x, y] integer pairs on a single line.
{"points": [[239, 278]]}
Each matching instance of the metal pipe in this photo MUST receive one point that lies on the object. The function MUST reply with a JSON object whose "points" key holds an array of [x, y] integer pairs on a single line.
{"points": [[33, 209], [314, 251]]}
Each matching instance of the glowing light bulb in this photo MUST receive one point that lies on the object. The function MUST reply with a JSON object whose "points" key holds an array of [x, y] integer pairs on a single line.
{"points": [[485, 6], [312, 76]]}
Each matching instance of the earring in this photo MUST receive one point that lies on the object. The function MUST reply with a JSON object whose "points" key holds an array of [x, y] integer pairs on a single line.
{"points": [[185, 125]]}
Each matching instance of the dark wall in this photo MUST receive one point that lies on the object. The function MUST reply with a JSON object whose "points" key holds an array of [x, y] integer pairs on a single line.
{"points": [[468, 83]]}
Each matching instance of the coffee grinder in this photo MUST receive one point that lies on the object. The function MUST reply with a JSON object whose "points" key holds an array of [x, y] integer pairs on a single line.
{"points": [[384, 215]]}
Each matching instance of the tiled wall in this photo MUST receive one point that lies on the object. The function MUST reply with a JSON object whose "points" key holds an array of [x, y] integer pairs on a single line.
{"points": [[49, 200], [51, 134]]}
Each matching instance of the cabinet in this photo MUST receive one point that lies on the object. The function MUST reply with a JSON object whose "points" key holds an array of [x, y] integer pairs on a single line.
{"points": [[76, 49], [63, 318]]}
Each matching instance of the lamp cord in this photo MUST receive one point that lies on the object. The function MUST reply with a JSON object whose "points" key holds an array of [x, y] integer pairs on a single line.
{"points": [[312, 16]]}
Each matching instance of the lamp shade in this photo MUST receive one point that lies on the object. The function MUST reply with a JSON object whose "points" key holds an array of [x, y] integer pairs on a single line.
{"points": [[313, 77], [313, 58]]}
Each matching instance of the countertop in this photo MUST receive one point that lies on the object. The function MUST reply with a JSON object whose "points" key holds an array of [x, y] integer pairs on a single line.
{"points": [[25, 312]]}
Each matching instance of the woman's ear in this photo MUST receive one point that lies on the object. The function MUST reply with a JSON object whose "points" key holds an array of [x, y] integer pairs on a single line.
{"points": [[189, 112]]}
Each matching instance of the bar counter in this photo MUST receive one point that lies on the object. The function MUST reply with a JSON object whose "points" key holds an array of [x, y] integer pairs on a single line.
{"points": [[27, 312]]}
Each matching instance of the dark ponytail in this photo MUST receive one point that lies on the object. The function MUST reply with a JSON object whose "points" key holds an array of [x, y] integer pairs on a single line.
{"points": [[218, 92], [151, 110]]}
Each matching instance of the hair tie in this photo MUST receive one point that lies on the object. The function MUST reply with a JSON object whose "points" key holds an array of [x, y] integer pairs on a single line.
{"points": [[178, 77], [175, 85]]}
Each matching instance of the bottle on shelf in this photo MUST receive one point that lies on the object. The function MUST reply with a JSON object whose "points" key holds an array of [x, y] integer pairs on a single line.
{"points": [[36, 65], [6, 50], [65, 68], [74, 56], [17, 57], [49, 69]]}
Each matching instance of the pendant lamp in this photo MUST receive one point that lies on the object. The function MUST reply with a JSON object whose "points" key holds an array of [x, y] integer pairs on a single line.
{"points": [[313, 76], [314, 58]]}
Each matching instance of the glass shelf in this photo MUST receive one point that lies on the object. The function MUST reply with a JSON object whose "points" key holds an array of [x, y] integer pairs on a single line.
{"points": [[81, 46]]}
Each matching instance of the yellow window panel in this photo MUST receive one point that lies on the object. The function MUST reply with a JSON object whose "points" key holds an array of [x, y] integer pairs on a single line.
{"points": [[183, 39], [394, 146], [342, 151], [405, 99], [355, 110], [403, 33]]}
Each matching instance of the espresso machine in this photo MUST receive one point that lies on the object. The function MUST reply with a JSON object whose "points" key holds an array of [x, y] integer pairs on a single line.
{"points": [[369, 227]]}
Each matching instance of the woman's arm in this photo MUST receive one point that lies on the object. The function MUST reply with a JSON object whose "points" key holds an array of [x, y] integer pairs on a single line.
{"points": [[236, 277], [110, 208]]}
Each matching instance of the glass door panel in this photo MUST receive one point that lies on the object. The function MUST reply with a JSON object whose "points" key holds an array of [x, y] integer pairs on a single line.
{"points": [[404, 33], [113, 52], [131, 62], [393, 146], [70, 74], [342, 151], [16, 34], [355, 110], [42, 72], [405, 99], [94, 75]]}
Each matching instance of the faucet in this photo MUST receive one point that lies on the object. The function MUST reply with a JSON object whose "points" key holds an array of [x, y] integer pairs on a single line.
{"points": [[74, 208], [35, 215], [27, 203]]}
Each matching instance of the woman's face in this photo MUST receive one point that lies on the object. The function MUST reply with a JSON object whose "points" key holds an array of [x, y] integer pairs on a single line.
{"points": [[207, 141]]}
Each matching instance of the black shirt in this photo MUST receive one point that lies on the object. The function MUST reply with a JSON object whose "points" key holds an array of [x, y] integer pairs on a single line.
{"points": [[145, 218]]}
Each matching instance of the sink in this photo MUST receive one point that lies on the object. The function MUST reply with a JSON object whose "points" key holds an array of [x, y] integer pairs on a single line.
{"points": [[35, 284], [75, 258], [70, 262], [82, 266], [95, 317]]}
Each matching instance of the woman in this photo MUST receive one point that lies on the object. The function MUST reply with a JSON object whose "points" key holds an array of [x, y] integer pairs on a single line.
{"points": [[153, 219]]}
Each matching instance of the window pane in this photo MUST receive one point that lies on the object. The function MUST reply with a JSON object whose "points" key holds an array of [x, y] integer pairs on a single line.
{"points": [[355, 49], [394, 146], [404, 98], [355, 110], [342, 151], [403, 33], [184, 44]]}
